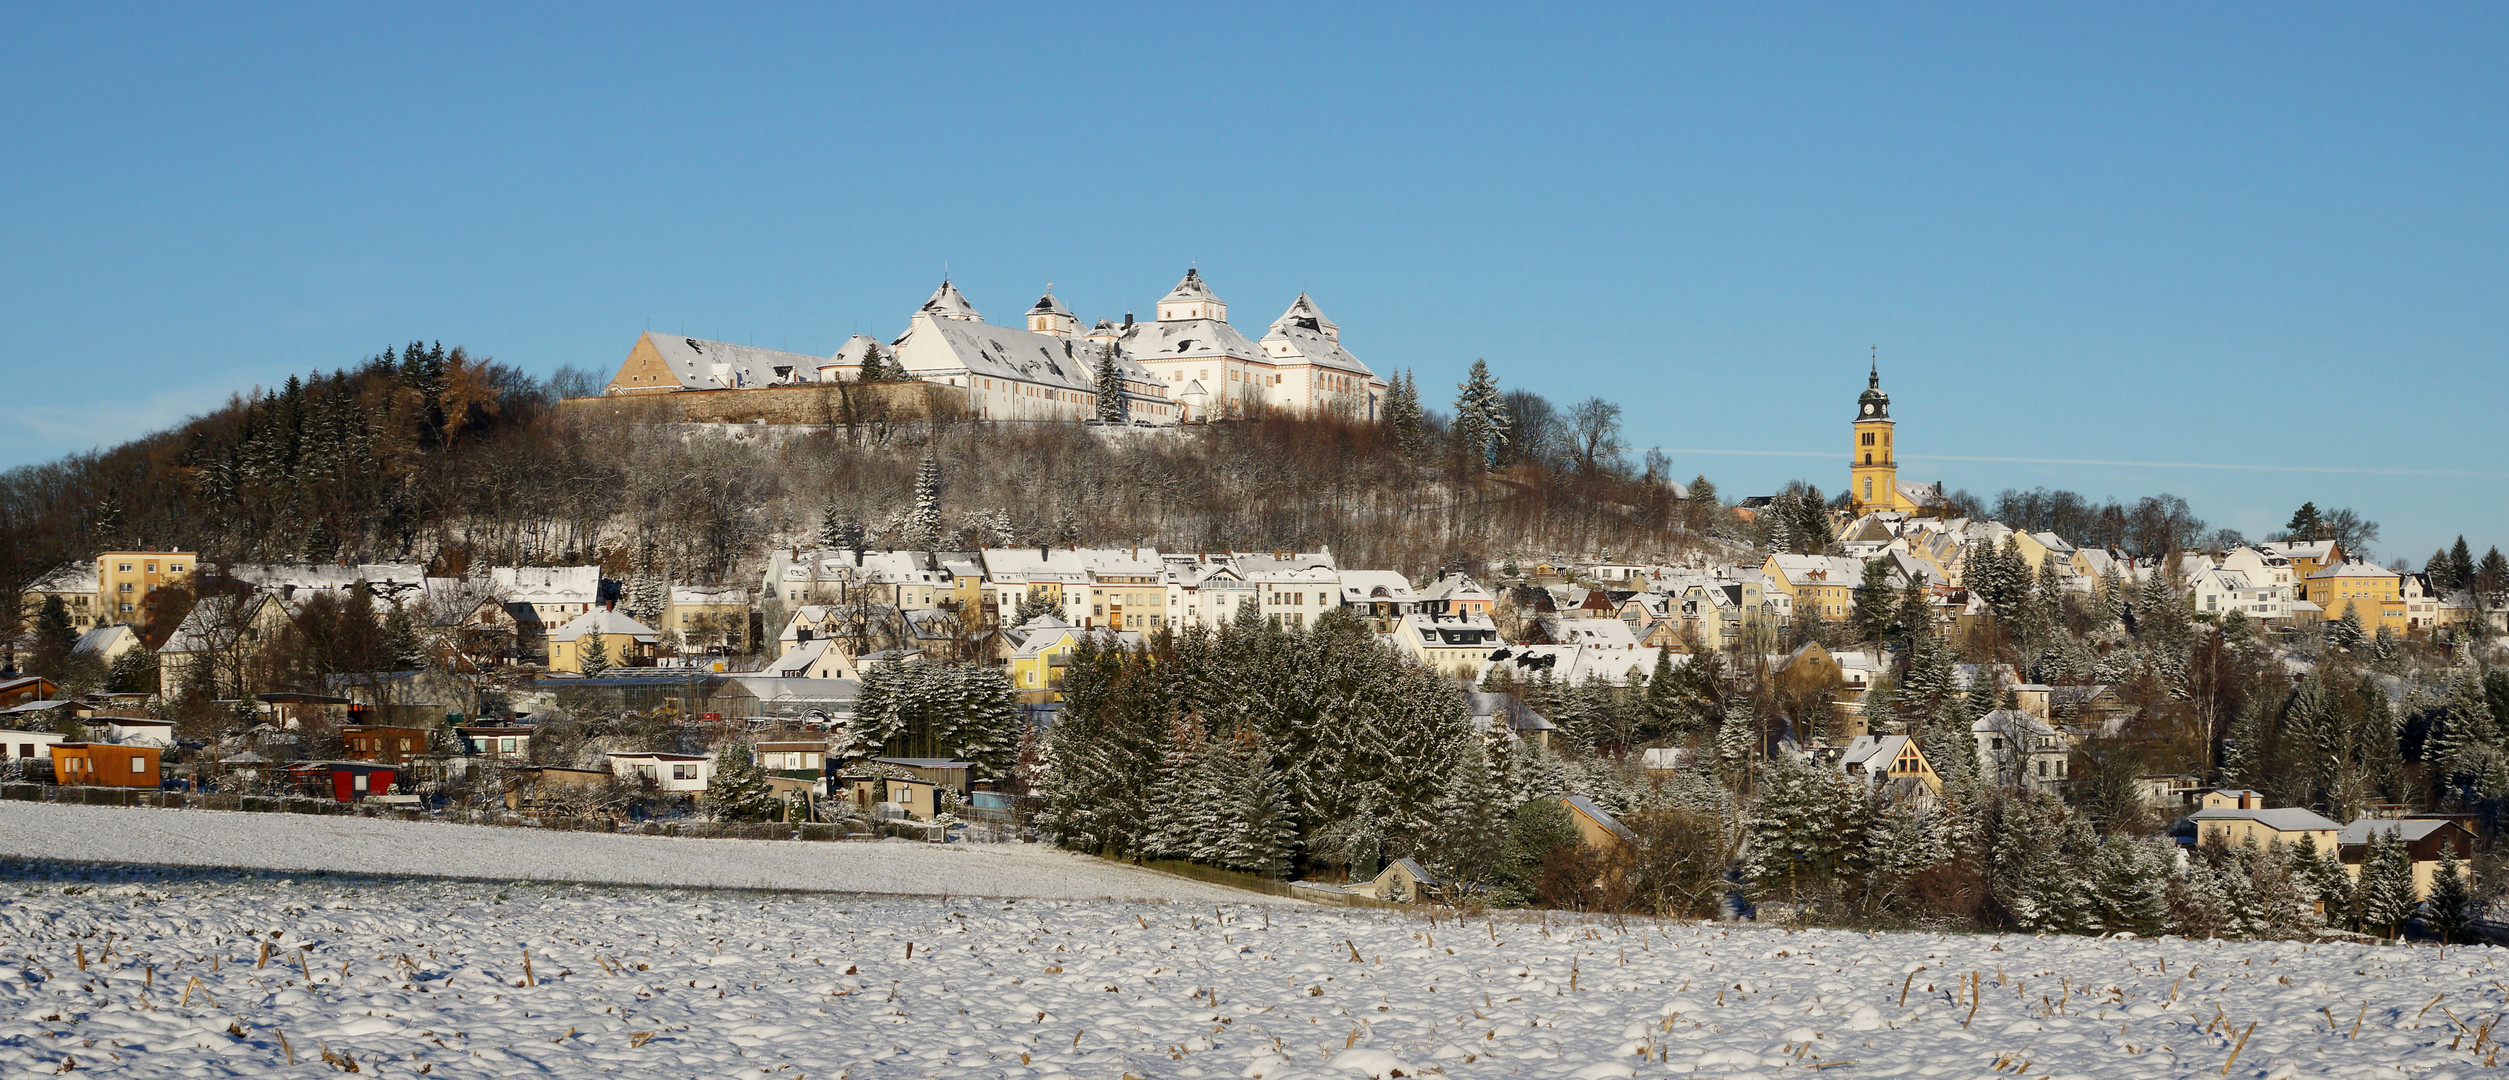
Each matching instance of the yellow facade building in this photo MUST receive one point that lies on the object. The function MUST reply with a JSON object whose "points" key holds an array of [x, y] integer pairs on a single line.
{"points": [[2374, 594], [125, 578]]}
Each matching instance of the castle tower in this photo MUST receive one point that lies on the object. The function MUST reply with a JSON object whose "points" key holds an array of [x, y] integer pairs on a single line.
{"points": [[1873, 471], [1051, 317]]}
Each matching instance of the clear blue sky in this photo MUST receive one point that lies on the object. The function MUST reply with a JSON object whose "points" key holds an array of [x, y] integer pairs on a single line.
{"points": [[2263, 236]]}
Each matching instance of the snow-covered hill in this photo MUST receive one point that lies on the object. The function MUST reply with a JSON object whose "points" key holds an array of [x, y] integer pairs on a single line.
{"points": [[431, 849], [457, 979]]}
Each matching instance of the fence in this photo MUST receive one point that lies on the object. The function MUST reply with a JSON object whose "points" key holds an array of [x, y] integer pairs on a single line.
{"points": [[280, 804]]}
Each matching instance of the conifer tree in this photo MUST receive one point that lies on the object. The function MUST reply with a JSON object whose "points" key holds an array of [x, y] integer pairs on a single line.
{"points": [[1481, 422], [2386, 889], [1801, 825], [2441, 570], [2131, 882], [1113, 407], [831, 526], [1405, 425], [2039, 853], [738, 790], [923, 523], [1183, 802], [592, 654], [1259, 826], [2460, 564], [54, 639], [404, 648], [2305, 524], [2345, 632], [1472, 823], [2450, 907], [133, 672], [2327, 881], [1737, 742], [1875, 603]]}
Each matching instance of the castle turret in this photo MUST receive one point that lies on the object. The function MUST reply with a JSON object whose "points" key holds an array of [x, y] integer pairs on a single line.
{"points": [[1050, 317]]}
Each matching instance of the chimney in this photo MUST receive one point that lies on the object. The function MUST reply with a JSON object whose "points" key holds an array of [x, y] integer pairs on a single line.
{"points": [[1128, 320]]}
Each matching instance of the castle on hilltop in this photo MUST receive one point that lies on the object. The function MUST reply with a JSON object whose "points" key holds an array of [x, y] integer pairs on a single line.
{"points": [[1188, 365]]}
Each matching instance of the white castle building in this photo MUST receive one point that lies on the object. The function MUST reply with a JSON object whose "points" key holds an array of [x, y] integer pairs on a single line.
{"points": [[1190, 364]]}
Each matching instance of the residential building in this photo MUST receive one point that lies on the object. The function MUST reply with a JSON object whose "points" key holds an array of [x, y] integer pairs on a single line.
{"points": [[622, 640], [2304, 557], [672, 773], [2017, 749], [124, 580], [1036, 669], [1878, 760], [2429, 839], [20, 746], [1454, 645], [2238, 816], [1821, 586], [1043, 373], [2372, 593], [387, 744], [1458, 594], [74, 584], [708, 619], [541, 597], [504, 742]]}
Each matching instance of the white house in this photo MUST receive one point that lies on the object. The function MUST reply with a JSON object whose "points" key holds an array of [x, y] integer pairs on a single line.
{"points": [[669, 772], [2017, 749], [17, 746]]}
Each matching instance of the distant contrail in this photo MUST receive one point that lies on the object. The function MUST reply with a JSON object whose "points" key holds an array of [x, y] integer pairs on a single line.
{"points": [[2098, 463]]}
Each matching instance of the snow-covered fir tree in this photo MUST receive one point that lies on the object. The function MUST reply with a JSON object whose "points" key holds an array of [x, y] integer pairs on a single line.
{"points": [[1481, 422]]}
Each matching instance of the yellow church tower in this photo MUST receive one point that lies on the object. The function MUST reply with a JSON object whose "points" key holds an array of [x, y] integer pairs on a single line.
{"points": [[1873, 473]]}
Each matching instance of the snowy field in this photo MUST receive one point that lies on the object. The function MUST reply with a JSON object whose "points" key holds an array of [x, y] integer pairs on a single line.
{"points": [[466, 979], [303, 842]]}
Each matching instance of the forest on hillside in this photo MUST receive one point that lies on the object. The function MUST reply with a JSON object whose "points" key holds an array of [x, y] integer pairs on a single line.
{"points": [[427, 454]]}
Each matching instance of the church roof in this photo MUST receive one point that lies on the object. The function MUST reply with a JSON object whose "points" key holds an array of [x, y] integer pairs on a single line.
{"points": [[1873, 404], [948, 303]]}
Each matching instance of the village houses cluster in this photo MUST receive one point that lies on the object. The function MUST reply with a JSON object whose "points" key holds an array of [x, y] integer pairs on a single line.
{"points": [[795, 644]]}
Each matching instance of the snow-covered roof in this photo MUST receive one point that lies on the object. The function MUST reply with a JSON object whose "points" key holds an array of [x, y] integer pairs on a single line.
{"points": [[856, 349], [384, 580], [603, 621], [67, 578], [1024, 565], [547, 584], [2277, 818], [941, 347], [1303, 334], [1190, 288], [103, 640], [2412, 829], [1376, 586], [1048, 305], [700, 364], [1182, 339], [2349, 569], [948, 303]]}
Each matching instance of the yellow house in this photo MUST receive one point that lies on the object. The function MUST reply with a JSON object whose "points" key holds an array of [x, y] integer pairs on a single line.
{"points": [[624, 641], [1822, 586], [1873, 470], [708, 618], [2234, 817], [125, 578], [2375, 594], [1036, 668]]}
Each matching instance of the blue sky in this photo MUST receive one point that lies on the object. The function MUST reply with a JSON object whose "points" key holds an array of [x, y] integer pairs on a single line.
{"points": [[2251, 236]]}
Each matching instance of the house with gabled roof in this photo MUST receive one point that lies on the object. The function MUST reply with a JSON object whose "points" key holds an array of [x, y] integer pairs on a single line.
{"points": [[2429, 839], [2238, 816]]}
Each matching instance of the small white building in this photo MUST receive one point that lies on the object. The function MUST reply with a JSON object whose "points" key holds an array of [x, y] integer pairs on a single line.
{"points": [[17, 746], [687, 773], [2017, 749], [134, 730]]}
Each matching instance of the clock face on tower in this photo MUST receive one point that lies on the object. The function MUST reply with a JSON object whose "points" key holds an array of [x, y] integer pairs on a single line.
{"points": [[1868, 410]]}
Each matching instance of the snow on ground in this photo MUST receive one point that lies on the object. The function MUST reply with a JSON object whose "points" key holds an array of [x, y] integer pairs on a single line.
{"points": [[431, 977], [433, 849]]}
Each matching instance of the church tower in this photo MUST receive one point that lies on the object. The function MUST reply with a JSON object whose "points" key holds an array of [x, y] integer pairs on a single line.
{"points": [[1873, 473]]}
